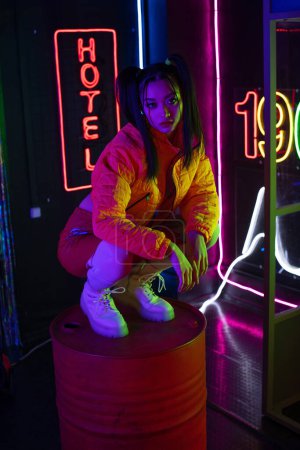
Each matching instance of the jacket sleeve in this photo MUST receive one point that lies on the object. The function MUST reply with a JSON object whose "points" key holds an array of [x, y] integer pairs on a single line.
{"points": [[200, 206], [112, 179]]}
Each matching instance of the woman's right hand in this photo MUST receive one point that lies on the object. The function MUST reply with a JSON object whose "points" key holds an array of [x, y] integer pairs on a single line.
{"points": [[182, 267]]}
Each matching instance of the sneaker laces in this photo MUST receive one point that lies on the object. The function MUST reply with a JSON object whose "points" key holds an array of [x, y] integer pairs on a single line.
{"points": [[147, 280], [105, 297]]}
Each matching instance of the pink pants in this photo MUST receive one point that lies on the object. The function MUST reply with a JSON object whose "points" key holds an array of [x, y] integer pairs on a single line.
{"points": [[77, 244]]}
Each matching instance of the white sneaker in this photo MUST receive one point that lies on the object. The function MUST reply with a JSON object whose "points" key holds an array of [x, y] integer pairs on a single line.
{"points": [[104, 317], [149, 305]]}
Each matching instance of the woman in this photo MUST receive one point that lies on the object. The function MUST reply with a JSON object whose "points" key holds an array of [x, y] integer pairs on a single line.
{"points": [[154, 166]]}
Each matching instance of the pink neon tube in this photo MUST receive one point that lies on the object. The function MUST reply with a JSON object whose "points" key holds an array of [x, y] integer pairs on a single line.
{"points": [[219, 147]]}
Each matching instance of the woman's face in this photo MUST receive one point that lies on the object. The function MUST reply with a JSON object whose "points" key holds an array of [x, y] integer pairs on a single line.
{"points": [[162, 105]]}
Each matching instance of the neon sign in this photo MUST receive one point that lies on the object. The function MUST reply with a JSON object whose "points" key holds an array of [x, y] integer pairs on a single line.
{"points": [[287, 126], [86, 69]]}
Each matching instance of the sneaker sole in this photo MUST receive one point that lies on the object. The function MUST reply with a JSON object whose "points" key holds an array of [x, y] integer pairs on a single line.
{"points": [[131, 301], [155, 317]]}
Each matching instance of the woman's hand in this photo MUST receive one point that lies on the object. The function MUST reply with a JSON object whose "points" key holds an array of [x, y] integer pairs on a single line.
{"points": [[197, 254], [182, 267]]}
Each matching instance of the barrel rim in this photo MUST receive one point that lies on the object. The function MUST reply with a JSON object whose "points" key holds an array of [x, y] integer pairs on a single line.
{"points": [[135, 356]]}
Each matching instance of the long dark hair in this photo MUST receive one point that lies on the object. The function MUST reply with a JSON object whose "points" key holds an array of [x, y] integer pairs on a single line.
{"points": [[131, 85]]}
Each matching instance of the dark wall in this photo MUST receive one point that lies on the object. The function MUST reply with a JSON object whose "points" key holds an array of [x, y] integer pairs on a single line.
{"points": [[28, 76]]}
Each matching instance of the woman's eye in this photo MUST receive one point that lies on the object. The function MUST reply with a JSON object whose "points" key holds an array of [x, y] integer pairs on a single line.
{"points": [[151, 105], [173, 100]]}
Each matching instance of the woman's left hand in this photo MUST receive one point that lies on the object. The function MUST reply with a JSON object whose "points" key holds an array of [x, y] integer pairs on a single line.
{"points": [[197, 254]]}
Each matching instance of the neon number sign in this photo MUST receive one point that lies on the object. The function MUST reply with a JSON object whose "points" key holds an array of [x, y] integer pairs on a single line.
{"points": [[287, 127], [86, 69], [248, 109]]}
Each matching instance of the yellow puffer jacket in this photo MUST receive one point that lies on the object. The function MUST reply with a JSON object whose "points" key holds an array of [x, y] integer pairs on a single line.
{"points": [[124, 199]]}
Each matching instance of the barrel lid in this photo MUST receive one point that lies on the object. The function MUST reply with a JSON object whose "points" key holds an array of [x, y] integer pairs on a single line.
{"points": [[71, 328]]}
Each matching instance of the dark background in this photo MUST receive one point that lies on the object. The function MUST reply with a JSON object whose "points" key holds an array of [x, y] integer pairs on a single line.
{"points": [[32, 150]]}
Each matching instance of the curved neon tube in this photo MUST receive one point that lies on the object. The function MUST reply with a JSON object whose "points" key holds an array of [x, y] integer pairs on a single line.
{"points": [[248, 249], [280, 254], [226, 276], [257, 208], [218, 127]]}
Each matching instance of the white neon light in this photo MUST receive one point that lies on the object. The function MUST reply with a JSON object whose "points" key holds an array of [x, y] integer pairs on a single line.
{"points": [[140, 33], [281, 254], [254, 219], [226, 276], [249, 247]]}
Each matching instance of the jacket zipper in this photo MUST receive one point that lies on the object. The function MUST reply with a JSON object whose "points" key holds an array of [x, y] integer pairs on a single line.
{"points": [[147, 197]]}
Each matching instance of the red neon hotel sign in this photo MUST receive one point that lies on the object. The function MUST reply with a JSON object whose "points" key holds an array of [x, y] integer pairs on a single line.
{"points": [[86, 69]]}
